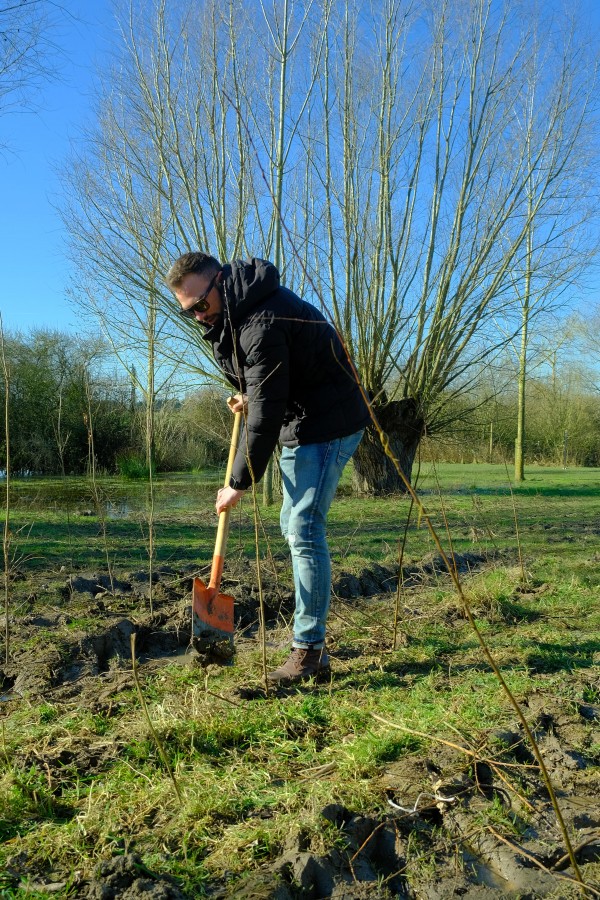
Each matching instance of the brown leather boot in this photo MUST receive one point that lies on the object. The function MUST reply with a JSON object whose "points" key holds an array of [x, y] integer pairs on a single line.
{"points": [[301, 665]]}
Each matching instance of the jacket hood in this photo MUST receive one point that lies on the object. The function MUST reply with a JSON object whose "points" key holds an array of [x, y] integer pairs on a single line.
{"points": [[246, 284]]}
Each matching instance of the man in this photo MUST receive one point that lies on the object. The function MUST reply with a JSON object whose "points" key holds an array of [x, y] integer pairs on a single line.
{"points": [[296, 385]]}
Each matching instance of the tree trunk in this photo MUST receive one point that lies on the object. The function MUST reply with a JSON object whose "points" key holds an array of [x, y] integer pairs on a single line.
{"points": [[268, 484], [374, 472], [520, 439]]}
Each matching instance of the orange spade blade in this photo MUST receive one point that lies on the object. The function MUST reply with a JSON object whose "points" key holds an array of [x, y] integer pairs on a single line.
{"points": [[212, 613]]}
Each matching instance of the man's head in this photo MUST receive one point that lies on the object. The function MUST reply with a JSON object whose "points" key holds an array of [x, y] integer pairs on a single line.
{"points": [[195, 280]]}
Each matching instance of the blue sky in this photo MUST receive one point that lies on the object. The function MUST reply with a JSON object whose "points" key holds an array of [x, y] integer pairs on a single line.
{"points": [[35, 270]]}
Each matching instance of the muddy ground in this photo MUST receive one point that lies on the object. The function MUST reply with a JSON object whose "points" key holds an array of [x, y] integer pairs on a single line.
{"points": [[430, 837]]}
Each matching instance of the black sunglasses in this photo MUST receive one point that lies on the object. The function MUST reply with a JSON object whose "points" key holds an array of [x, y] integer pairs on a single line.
{"points": [[201, 304]]}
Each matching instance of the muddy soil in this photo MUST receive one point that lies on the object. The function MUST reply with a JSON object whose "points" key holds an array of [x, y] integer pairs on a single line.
{"points": [[126, 877], [442, 806], [80, 629], [431, 835]]}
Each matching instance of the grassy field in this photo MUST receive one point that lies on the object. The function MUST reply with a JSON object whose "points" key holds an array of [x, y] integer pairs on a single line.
{"points": [[270, 785]]}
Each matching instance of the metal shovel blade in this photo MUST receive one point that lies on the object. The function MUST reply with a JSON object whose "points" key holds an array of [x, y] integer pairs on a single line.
{"points": [[212, 615], [212, 612]]}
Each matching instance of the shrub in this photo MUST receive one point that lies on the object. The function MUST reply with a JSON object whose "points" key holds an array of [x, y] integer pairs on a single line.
{"points": [[132, 467]]}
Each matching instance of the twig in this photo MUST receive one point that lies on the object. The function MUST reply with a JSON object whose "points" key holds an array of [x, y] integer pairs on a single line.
{"points": [[452, 555], [364, 615], [441, 846], [261, 598], [521, 852], [400, 587], [318, 771], [4, 751], [137, 771], [499, 774], [6, 533], [100, 507], [464, 750], [564, 860], [159, 746], [516, 521], [220, 697], [261, 601]]}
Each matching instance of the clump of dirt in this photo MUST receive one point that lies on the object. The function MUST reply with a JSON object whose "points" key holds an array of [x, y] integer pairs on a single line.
{"points": [[123, 877], [365, 863], [127, 878], [82, 629], [60, 657], [65, 761], [384, 579]]}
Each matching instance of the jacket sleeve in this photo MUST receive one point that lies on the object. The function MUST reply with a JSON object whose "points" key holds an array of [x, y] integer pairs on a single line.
{"points": [[267, 377]]}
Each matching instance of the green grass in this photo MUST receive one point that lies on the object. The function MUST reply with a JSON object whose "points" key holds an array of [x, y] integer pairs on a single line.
{"points": [[555, 509], [133, 468], [249, 769]]}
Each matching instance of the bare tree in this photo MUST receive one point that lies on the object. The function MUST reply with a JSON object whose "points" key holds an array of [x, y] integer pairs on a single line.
{"points": [[558, 245], [28, 54], [119, 221], [170, 166], [586, 329], [387, 154], [430, 213], [283, 37], [141, 186]]}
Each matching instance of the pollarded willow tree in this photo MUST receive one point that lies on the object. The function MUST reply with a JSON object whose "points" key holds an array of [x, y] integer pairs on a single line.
{"points": [[381, 151], [449, 185]]}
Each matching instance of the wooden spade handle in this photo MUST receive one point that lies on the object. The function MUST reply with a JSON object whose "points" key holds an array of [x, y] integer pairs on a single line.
{"points": [[223, 528]]}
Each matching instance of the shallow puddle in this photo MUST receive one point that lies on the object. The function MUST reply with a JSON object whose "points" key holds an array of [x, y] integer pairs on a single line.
{"points": [[117, 498]]}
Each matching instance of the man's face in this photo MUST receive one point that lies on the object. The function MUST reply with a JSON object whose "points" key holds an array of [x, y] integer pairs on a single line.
{"points": [[198, 286]]}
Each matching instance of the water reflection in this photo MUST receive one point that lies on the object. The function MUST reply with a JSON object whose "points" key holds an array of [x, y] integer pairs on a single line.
{"points": [[117, 498]]}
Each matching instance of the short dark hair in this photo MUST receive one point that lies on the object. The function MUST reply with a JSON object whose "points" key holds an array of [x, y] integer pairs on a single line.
{"points": [[190, 262]]}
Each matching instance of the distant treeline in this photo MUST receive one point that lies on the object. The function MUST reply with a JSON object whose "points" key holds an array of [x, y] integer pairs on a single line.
{"points": [[64, 403]]}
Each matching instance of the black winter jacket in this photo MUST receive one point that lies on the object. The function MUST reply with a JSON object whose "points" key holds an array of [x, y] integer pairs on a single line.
{"points": [[290, 361]]}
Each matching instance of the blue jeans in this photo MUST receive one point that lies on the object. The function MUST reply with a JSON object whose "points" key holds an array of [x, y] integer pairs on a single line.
{"points": [[310, 475]]}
